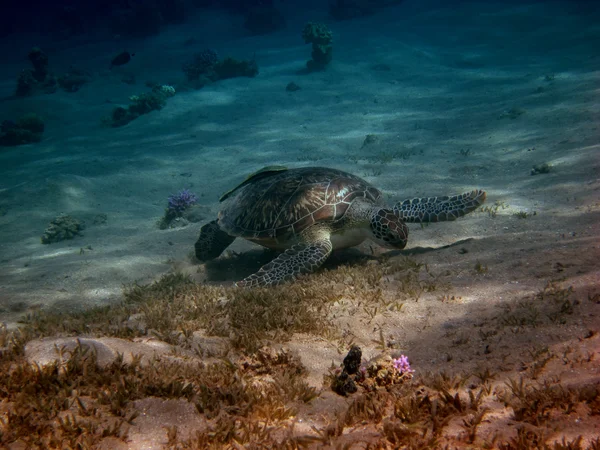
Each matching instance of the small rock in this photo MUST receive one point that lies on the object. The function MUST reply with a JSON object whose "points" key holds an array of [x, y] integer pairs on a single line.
{"points": [[540, 169], [292, 87]]}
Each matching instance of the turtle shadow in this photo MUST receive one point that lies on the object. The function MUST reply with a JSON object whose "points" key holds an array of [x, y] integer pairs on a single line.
{"points": [[237, 266], [234, 266]]}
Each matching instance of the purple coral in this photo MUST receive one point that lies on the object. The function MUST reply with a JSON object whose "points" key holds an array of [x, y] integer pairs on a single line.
{"points": [[402, 365], [179, 202]]}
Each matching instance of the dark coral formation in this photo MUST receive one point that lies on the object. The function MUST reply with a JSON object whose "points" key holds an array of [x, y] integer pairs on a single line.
{"points": [[378, 373], [26, 130], [201, 65], [231, 68], [41, 80], [344, 383], [541, 169], [352, 360], [321, 39], [25, 83], [61, 228], [37, 79], [141, 104], [206, 68], [39, 60]]}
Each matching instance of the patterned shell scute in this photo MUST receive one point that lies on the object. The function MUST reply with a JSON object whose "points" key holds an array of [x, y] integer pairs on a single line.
{"points": [[286, 203]]}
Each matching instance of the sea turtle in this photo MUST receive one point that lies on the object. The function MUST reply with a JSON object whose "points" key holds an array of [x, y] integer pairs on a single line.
{"points": [[308, 212]]}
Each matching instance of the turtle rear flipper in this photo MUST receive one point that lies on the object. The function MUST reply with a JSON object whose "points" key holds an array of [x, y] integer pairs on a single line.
{"points": [[437, 209], [305, 257], [212, 241]]}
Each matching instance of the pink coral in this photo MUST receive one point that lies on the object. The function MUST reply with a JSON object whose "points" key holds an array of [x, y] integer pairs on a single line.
{"points": [[402, 365]]}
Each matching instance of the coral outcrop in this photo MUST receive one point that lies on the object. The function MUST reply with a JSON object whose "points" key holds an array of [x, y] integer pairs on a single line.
{"points": [[201, 65], [321, 39], [206, 67], [38, 79], [25, 130], [141, 104], [378, 373], [231, 68], [61, 228], [182, 208]]}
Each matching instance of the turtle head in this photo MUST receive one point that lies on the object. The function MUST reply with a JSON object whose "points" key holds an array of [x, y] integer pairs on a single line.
{"points": [[388, 230]]}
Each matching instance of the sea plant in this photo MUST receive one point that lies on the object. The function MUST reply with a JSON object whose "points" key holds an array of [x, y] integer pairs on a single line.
{"points": [[179, 202]]}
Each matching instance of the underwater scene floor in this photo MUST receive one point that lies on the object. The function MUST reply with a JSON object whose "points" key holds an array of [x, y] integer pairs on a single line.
{"points": [[482, 333]]}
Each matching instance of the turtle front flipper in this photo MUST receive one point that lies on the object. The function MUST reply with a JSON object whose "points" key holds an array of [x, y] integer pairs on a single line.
{"points": [[301, 258], [212, 241], [437, 209]]}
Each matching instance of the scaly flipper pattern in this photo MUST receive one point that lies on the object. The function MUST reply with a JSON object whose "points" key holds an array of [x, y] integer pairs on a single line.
{"points": [[438, 209], [212, 241], [305, 257]]}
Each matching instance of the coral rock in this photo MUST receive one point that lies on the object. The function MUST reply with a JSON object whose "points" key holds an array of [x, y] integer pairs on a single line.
{"points": [[61, 228]]}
